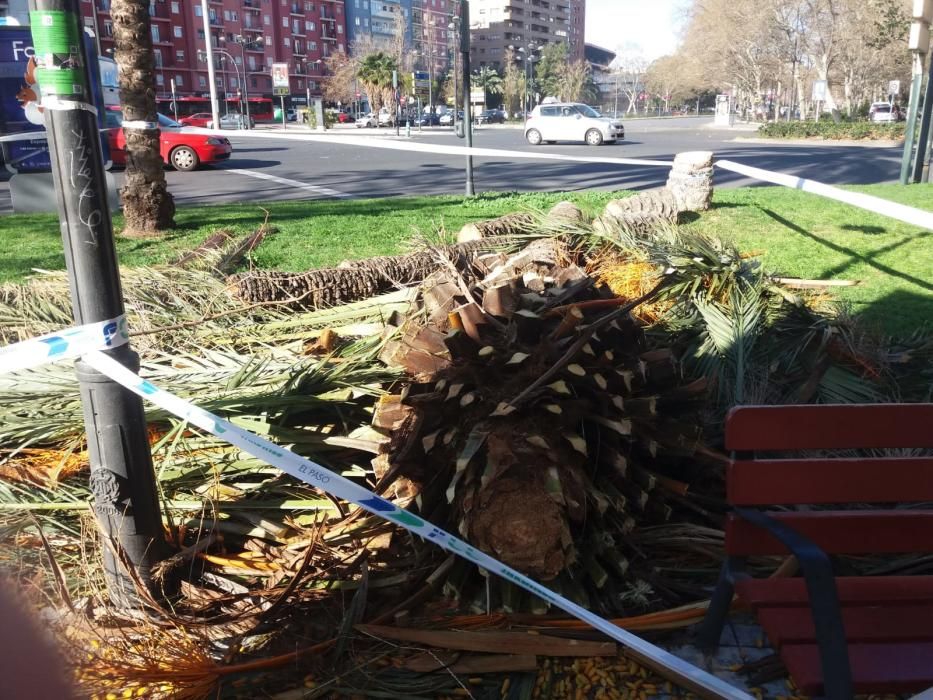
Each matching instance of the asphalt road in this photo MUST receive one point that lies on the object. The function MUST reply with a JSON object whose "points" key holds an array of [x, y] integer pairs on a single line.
{"points": [[267, 167]]}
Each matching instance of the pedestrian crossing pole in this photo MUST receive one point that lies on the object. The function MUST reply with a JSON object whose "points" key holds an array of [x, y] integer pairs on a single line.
{"points": [[467, 116], [919, 44], [121, 479]]}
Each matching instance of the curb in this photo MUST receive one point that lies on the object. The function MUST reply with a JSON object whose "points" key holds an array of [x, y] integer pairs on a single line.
{"points": [[863, 143]]}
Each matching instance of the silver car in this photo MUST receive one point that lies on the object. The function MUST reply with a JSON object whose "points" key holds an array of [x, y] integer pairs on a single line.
{"points": [[571, 121]]}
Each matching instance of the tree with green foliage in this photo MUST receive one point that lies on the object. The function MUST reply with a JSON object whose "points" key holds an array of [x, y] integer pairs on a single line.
{"points": [[375, 75], [488, 79], [550, 67]]}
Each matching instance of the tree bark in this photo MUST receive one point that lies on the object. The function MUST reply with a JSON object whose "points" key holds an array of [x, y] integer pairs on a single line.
{"points": [[147, 204], [351, 281]]}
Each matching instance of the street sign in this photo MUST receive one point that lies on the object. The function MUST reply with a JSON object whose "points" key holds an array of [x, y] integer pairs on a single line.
{"points": [[819, 91], [477, 96], [894, 87], [279, 76], [421, 82], [280, 91]]}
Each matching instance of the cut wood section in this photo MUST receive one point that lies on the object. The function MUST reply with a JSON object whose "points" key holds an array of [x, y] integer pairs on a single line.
{"points": [[876, 668], [508, 225], [785, 481], [839, 532], [852, 590], [493, 642], [858, 426], [456, 663], [876, 623]]}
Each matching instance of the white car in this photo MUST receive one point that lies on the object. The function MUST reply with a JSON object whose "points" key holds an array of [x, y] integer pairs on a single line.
{"points": [[367, 121], [883, 112], [571, 121]]}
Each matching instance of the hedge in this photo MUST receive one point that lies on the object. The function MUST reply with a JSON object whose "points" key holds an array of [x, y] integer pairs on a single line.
{"points": [[850, 131]]}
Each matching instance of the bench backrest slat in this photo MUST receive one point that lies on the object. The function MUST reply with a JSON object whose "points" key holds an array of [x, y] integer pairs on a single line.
{"points": [[837, 426], [839, 532], [765, 482]]}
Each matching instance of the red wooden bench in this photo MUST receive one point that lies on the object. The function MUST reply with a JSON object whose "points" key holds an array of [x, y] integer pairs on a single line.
{"points": [[838, 636]]}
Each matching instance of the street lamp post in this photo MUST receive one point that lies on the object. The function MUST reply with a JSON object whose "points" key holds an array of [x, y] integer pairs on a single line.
{"points": [[215, 108], [225, 55], [243, 43], [455, 26]]}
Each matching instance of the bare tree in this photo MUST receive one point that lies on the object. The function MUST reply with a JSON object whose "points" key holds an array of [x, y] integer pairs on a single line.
{"points": [[629, 68], [574, 81], [148, 207]]}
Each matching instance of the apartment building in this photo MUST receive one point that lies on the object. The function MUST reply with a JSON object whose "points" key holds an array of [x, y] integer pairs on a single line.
{"points": [[498, 24], [425, 24], [248, 37]]}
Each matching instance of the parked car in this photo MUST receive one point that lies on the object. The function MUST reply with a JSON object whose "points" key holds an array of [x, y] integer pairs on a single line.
{"points": [[447, 118], [201, 119], [883, 112], [345, 118], [571, 121], [368, 121], [491, 116], [291, 114], [235, 120], [386, 118], [180, 148], [430, 120]]}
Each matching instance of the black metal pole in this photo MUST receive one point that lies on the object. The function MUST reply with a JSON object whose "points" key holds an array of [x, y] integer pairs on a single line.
{"points": [[467, 117], [923, 138], [122, 478]]}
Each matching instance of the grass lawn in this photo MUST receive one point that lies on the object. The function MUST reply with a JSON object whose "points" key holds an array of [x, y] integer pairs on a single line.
{"points": [[797, 234]]}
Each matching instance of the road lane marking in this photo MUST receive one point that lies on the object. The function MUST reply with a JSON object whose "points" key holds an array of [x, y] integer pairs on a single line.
{"points": [[411, 146], [316, 189]]}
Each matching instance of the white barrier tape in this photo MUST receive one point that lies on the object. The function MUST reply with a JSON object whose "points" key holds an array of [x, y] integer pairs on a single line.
{"points": [[346, 490], [139, 125], [64, 345], [55, 103], [901, 212], [417, 147]]}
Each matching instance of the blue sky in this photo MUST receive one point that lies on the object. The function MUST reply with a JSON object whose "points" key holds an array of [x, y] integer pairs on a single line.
{"points": [[649, 26]]}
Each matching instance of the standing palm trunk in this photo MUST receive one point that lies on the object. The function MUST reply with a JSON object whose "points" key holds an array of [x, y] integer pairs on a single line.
{"points": [[147, 204]]}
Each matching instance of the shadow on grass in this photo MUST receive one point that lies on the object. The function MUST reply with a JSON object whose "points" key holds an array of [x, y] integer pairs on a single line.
{"points": [[864, 229], [900, 313], [856, 257]]}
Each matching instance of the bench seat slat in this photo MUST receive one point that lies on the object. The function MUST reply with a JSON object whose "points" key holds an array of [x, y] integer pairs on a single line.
{"points": [[843, 426], [797, 481], [839, 532], [876, 668], [877, 623], [852, 590]]}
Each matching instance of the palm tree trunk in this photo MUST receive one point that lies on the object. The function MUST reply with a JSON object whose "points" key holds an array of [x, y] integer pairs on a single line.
{"points": [[148, 205]]}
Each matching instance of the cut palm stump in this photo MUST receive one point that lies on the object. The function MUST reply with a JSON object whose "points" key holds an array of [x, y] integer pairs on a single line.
{"points": [[540, 425]]}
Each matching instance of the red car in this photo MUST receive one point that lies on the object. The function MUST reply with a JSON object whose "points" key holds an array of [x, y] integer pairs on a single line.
{"points": [[201, 119], [179, 148], [345, 118]]}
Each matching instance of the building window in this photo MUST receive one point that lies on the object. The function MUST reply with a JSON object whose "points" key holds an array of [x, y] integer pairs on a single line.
{"points": [[197, 11], [285, 22], [160, 80], [178, 33], [179, 80], [202, 81], [155, 32], [265, 20], [175, 8], [180, 56]]}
